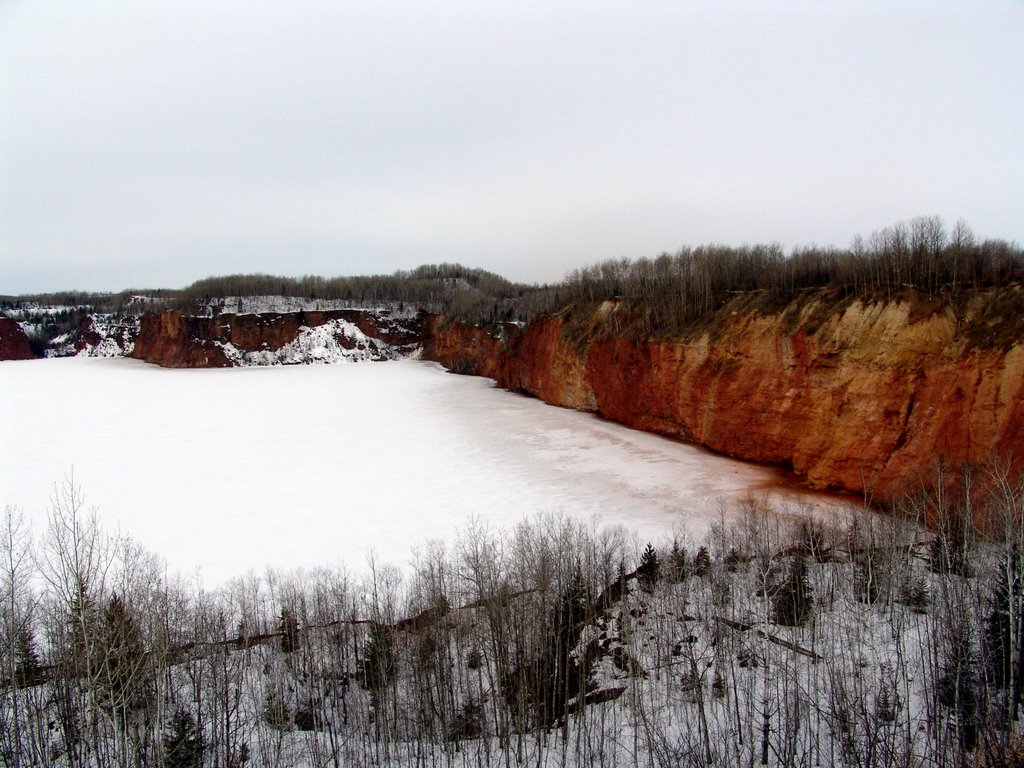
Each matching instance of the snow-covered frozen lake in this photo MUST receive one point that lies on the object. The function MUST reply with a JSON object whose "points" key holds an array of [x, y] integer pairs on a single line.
{"points": [[227, 471]]}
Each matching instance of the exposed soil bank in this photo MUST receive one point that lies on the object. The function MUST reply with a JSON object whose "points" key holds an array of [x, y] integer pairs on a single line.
{"points": [[852, 395]]}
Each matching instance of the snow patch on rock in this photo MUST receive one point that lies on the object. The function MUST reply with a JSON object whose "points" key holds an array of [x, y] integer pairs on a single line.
{"points": [[98, 336], [336, 341]]}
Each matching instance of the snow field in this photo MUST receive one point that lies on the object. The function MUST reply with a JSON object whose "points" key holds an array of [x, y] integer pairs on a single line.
{"points": [[226, 471]]}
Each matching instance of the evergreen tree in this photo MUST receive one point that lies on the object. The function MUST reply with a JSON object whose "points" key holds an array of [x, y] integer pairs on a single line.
{"points": [[122, 667], [702, 562], [28, 670], [378, 668], [732, 560], [648, 571], [957, 684], [812, 540], [288, 627], [563, 675], [1005, 624], [183, 741], [794, 600], [677, 563]]}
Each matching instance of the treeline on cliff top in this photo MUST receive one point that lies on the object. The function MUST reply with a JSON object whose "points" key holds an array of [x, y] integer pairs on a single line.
{"points": [[920, 255], [64, 304], [675, 289], [670, 290], [452, 289]]}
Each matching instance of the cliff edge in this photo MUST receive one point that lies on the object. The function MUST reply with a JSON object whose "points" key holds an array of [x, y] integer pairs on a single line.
{"points": [[866, 396]]}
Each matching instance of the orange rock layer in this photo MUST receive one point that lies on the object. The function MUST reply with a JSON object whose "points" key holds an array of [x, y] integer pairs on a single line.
{"points": [[860, 396]]}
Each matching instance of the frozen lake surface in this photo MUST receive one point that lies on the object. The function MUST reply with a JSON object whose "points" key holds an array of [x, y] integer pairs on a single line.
{"points": [[226, 471]]}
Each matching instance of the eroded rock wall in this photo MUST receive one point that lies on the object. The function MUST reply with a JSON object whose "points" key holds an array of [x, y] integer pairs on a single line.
{"points": [[174, 340], [14, 343], [862, 396]]}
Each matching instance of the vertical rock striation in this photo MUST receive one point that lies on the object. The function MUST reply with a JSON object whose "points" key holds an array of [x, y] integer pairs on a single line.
{"points": [[861, 396]]}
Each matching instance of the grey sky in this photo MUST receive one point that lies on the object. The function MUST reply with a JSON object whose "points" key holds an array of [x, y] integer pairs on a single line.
{"points": [[147, 144]]}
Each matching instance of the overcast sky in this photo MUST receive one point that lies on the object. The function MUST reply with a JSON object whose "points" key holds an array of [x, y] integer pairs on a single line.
{"points": [[149, 144]]}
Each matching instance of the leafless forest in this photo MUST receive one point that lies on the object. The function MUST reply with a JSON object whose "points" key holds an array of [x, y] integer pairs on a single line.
{"points": [[778, 640]]}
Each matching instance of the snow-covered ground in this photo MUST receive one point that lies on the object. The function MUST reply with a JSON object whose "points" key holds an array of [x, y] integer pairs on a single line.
{"points": [[223, 471]]}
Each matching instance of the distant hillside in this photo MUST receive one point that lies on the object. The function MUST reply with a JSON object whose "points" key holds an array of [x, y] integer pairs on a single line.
{"points": [[474, 295]]}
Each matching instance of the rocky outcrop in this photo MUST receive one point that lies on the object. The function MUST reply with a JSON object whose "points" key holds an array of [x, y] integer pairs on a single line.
{"points": [[467, 349], [174, 340], [14, 343], [861, 396], [97, 336]]}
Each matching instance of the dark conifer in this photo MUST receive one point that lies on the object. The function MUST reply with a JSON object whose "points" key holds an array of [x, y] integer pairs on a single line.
{"points": [[28, 670], [288, 628], [378, 668], [1004, 627], [183, 741], [702, 562], [649, 570], [564, 675], [121, 659], [677, 563], [957, 684], [794, 600]]}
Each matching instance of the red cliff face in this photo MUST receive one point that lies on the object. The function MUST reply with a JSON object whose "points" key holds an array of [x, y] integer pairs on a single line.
{"points": [[14, 343], [465, 348], [859, 396], [173, 340]]}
